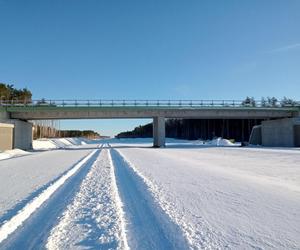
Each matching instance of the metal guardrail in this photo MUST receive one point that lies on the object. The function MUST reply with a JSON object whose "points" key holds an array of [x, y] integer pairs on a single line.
{"points": [[141, 103]]}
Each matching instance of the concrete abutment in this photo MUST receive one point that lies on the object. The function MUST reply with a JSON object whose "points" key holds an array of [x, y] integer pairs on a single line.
{"points": [[15, 134], [277, 133]]}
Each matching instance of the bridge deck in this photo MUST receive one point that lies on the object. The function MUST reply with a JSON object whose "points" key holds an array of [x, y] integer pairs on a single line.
{"points": [[40, 112]]}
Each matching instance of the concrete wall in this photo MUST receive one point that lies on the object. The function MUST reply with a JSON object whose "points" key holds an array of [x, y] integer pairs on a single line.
{"points": [[22, 134], [255, 136], [6, 136], [279, 133], [297, 135]]}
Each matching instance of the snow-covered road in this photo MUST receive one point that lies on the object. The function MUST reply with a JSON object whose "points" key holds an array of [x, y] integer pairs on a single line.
{"points": [[115, 195], [226, 197], [22, 178], [94, 218]]}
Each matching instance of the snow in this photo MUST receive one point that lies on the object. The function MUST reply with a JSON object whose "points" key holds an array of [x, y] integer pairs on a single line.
{"points": [[45, 144], [147, 225], [22, 177], [189, 195], [220, 142], [93, 214], [10, 226], [12, 153], [55, 143], [226, 197]]}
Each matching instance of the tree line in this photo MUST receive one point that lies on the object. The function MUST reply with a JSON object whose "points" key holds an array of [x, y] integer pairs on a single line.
{"points": [[193, 129], [269, 102], [43, 131], [9, 93], [90, 134]]}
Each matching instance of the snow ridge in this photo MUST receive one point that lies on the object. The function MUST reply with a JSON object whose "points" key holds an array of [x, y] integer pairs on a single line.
{"points": [[119, 204], [93, 219]]}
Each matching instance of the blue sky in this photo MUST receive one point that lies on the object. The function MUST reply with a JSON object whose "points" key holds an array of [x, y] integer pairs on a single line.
{"points": [[150, 50]]}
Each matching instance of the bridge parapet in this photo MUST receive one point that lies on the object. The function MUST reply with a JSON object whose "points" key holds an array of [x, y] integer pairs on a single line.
{"points": [[144, 103]]}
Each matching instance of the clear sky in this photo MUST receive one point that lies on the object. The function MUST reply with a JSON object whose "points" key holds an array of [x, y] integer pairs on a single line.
{"points": [[155, 49]]}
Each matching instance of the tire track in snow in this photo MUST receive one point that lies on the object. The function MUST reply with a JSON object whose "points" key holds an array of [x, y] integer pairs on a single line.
{"points": [[10, 226], [147, 225], [32, 231], [199, 236], [94, 218]]}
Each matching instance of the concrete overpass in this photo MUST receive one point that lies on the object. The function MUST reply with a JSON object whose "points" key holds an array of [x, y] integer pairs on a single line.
{"points": [[157, 110]]}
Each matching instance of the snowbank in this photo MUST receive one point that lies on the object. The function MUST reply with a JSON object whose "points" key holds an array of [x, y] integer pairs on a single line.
{"points": [[12, 153], [46, 144], [220, 142], [217, 142]]}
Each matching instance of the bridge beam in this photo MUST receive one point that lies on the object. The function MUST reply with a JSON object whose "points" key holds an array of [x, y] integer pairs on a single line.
{"points": [[159, 132]]}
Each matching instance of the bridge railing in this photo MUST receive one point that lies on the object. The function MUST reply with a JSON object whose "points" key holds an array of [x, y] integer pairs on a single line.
{"points": [[141, 103]]}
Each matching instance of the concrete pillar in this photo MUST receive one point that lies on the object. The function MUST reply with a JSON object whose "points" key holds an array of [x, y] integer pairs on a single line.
{"points": [[159, 132]]}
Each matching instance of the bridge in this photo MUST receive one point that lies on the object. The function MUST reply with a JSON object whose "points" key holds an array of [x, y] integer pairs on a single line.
{"points": [[19, 113]]}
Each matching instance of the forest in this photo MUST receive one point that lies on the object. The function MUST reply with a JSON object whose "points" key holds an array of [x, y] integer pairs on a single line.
{"points": [[8, 93], [205, 129]]}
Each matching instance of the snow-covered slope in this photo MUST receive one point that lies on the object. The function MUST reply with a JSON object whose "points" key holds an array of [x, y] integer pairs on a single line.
{"points": [[46, 144], [12, 153]]}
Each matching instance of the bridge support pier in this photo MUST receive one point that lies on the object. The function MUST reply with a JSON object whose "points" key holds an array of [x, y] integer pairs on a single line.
{"points": [[159, 132]]}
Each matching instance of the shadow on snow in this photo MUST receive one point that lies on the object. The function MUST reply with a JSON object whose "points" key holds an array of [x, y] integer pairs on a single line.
{"points": [[147, 225]]}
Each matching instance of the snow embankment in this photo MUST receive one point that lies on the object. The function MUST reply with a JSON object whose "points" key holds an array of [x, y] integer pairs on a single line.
{"points": [[46, 144], [220, 142], [43, 144], [12, 153]]}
